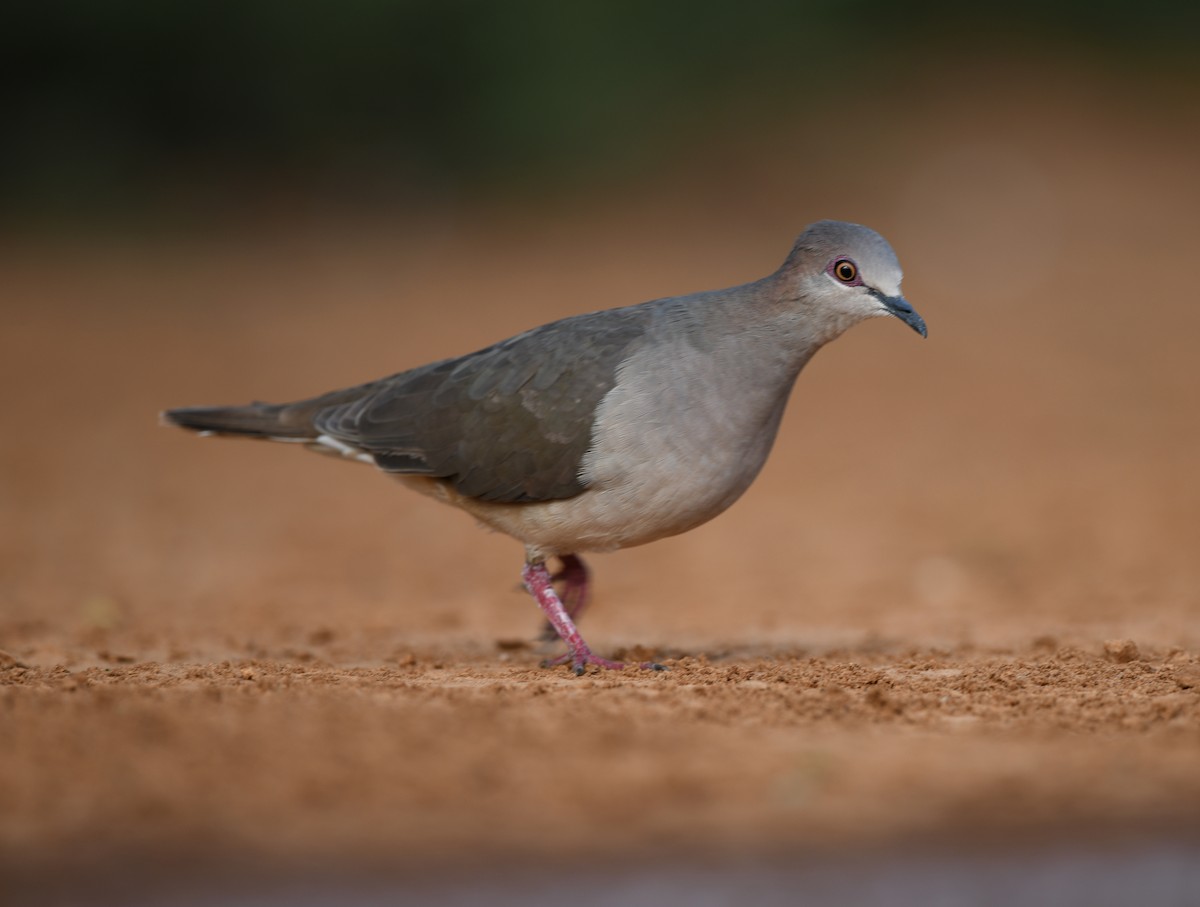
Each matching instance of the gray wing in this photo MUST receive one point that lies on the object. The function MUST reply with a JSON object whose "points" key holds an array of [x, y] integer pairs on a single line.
{"points": [[508, 423]]}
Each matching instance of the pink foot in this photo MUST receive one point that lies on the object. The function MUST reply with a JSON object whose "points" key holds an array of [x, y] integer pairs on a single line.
{"points": [[605, 663], [580, 664], [540, 584]]}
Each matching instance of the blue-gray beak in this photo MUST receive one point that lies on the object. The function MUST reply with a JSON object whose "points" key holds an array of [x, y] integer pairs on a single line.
{"points": [[899, 307]]}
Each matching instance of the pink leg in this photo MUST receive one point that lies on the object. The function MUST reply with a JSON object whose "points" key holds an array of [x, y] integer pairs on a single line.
{"points": [[575, 577], [541, 586], [575, 594]]}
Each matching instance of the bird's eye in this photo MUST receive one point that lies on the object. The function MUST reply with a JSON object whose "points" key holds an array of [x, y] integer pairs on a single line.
{"points": [[845, 270]]}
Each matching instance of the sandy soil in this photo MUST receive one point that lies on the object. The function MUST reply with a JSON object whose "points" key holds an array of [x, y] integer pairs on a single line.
{"points": [[961, 604]]}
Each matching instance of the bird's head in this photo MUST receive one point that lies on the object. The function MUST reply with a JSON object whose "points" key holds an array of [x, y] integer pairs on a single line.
{"points": [[847, 273]]}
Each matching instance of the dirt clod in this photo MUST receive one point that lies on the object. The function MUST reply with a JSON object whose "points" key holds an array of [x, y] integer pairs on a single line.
{"points": [[1188, 677], [1122, 651]]}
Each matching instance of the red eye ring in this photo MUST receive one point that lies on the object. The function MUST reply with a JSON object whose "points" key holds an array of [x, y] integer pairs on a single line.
{"points": [[844, 270]]}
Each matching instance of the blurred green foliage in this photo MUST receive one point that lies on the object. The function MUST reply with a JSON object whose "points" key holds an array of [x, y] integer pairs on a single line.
{"points": [[106, 102]]}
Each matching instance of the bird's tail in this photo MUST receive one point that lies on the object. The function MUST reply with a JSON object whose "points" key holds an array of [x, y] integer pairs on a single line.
{"points": [[256, 420], [273, 421]]}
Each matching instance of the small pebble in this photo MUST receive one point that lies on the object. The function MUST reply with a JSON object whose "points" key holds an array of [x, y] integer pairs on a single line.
{"points": [[1122, 651]]}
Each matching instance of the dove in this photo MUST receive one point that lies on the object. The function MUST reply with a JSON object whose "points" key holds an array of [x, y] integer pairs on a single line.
{"points": [[605, 430]]}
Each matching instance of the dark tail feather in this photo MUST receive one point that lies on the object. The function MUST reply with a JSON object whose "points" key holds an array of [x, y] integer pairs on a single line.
{"points": [[283, 421], [257, 420]]}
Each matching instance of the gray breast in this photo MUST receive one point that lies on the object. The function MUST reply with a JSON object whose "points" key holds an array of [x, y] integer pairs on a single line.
{"points": [[682, 435]]}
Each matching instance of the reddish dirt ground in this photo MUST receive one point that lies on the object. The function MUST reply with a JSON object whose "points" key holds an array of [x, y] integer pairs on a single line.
{"points": [[962, 603]]}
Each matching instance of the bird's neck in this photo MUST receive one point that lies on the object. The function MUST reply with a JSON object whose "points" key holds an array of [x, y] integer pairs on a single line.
{"points": [[761, 328]]}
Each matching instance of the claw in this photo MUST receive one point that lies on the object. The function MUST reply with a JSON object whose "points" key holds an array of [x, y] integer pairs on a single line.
{"points": [[579, 665], [580, 661]]}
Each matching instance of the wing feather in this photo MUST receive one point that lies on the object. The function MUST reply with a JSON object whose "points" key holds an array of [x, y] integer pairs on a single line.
{"points": [[510, 423]]}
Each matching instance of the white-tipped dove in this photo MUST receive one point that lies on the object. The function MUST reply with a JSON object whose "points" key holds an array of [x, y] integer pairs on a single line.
{"points": [[606, 430]]}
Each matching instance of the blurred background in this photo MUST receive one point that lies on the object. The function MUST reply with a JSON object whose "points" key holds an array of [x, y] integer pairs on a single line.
{"points": [[130, 110], [212, 203]]}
